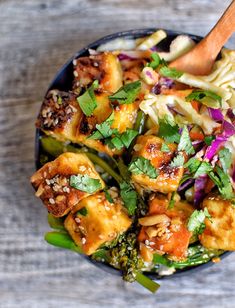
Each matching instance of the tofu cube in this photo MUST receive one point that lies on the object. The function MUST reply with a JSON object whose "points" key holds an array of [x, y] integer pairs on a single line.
{"points": [[104, 67], [220, 231], [95, 221], [149, 147], [53, 185]]}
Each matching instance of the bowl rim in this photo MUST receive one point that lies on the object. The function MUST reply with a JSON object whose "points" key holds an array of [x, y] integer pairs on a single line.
{"points": [[133, 33]]}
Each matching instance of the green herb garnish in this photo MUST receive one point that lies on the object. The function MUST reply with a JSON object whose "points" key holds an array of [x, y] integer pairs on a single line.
{"points": [[185, 143], [156, 61], [129, 197], [225, 157], [168, 132], [208, 98], [165, 148], [170, 72], [141, 165], [127, 94], [196, 221], [124, 139], [209, 139], [83, 211], [85, 183], [108, 196], [104, 129], [87, 101], [178, 161]]}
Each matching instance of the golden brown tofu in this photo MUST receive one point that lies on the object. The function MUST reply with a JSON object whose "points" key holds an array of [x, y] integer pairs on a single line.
{"points": [[149, 147], [53, 185], [104, 67], [165, 230], [61, 117], [220, 231], [95, 221]]}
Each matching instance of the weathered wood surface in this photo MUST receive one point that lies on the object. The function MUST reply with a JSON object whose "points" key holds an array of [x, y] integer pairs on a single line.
{"points": [[36, 38]]}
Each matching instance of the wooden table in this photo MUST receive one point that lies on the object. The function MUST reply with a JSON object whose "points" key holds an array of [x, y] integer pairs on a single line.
{"points": [[36, 38]]}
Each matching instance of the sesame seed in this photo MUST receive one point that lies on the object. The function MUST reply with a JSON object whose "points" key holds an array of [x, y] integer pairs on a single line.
{"points": [[77, 220], [146, 242], [52, 201], [101, 236], [75, 73], [107, 208], [74, 62], [83, 240], [48, 182]]}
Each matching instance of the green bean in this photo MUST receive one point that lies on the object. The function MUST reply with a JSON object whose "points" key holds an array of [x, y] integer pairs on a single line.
{"points": [[140, 122], [55, 222], [146, 282], [62, 240]]}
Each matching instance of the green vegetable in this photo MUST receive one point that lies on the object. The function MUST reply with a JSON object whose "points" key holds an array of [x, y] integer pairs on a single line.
{"points": [[196, 221], [83, 211], [185, 143], [222, 180], [165, 148], [129, 197], [225, 157], [156, 60], [178, 161], [146, 282], [85, 183], [141, 165], [127, 94], [172, 200], [159, 259], [124, 139], [108, 196], [101, 255], [209, 139], [168, 132], [104, 129], [62, 240], [192, 164], [208, 98], [203, 169], [87, 101], [170, 72], [55, 222], [140, 122]]}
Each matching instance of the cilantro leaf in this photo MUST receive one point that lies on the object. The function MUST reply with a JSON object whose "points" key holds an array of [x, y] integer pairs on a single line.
{"points": [[83, 211], [127, 94], [222, 181], [124, 139], [129, 197], [209, 139], [85, 183], [170, 72], [141, 165], [192, 164], [87, 101], [196, 221], [203, 169], [104, 129], [178, 161], [168, 132], [165, 148], [108, 196], [185, 143], [156, 60], [208, 98], [225, 157]]}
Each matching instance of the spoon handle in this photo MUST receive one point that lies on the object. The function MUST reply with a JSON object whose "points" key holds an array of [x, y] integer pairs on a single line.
{"points": [[220, 34]]}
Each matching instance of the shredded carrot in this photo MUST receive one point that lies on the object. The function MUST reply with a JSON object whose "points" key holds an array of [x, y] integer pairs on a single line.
{"points": [[196, 135], [195, 105]]}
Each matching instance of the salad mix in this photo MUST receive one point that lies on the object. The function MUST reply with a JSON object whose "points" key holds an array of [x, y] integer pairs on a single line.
{"points": [[138, 159]]}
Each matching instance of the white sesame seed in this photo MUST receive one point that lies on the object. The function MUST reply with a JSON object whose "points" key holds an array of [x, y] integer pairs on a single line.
{"points": [[101, 236], [78, 220], [52, 201], [107, 208], [48, 182], [146, 242], [83, 240], [74, 62], [75, 73]]}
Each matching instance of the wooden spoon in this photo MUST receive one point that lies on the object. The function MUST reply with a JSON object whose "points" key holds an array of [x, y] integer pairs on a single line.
{"points": [[200, 60]]}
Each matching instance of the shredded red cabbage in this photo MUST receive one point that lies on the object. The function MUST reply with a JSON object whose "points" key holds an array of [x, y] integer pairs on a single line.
{"points": [[163, 83], [231, 115], [185, 185], [214, 147], [199, 189], [228, 129], [215, 114], [123, 56], [233, 174]]}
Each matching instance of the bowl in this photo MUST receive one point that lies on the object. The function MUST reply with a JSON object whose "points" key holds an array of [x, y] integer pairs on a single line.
{"points": [[63, 82]]}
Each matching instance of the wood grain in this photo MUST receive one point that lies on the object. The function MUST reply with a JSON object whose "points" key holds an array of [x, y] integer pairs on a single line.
{"points": [[36, 38]]}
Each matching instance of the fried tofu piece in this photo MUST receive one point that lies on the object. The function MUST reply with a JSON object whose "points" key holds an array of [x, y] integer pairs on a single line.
{"points": [[53, 185], [149, 147], [95, 221], [104, 67], [61, 117], [220, 231], [165, 230]]}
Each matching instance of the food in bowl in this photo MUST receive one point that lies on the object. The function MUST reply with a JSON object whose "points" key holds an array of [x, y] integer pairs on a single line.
{"points": [[137, 162]]}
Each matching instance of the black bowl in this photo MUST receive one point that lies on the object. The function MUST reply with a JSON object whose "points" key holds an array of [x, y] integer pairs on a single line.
{"points": [[63, 82]]}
